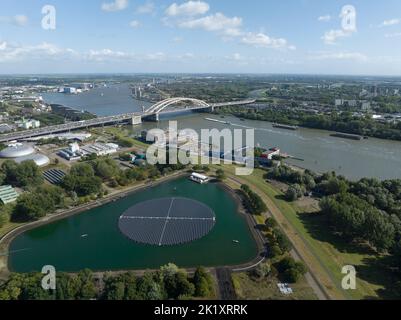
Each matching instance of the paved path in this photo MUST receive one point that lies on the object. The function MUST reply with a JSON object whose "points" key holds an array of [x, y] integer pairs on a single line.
{"points": [[225, 283]]}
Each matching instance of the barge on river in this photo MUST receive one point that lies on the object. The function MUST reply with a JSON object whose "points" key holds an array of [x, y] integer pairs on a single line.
{"points": [[285, 126]]}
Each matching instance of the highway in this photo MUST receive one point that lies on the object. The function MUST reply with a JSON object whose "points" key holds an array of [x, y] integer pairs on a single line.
{"points": [[111, 120]]}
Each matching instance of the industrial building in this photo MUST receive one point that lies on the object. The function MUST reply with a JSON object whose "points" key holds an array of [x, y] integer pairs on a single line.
{"points": [[23, 152], [75, 152]]}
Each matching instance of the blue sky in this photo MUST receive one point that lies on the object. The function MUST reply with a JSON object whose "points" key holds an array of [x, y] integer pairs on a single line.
{"points": [[233, 36]]}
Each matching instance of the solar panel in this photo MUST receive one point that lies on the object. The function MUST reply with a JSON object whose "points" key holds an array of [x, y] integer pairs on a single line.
{"points": [[54, 176], [167, 221]]}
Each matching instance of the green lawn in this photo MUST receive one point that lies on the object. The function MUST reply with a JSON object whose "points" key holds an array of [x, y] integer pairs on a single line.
{"points": [[331, 252], [248, 288]]}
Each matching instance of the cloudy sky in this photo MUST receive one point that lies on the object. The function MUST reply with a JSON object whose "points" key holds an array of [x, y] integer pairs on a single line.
{"points": [[220, 36]]}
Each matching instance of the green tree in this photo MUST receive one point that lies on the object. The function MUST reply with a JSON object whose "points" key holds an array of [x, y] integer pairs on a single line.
{"points": [[82, 180], [220, 175], [87, 289], [106, 168], [294, 192], [203, 283], [291, 270], [262, 271], [25, 174]]}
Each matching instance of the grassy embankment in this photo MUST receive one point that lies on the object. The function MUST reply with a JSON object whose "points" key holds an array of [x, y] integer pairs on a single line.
{"points": [[324, 253], [249, 287]]}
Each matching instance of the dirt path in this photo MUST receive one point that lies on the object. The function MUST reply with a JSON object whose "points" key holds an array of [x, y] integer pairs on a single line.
{"points": [[297, 253]]}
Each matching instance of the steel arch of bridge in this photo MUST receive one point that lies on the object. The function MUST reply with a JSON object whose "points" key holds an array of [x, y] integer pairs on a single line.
{"points": [[160, 106]]}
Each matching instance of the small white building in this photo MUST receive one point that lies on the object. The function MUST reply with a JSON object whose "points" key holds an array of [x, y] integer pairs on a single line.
{"points": [[28, 124]]}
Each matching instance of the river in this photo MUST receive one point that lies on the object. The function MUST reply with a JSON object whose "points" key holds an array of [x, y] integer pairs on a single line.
{"points": [[319, 151]]}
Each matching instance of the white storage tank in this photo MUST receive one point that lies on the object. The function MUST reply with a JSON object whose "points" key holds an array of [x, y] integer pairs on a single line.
{"points": [[17, 150]]}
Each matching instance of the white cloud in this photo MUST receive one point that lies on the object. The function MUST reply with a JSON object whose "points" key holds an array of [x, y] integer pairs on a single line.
{"points": [[237, 57], [134, 24], [177, 39], [390, 22], [117, 5], [104, 55], [187, 56], [353, 56], [231, 28], [217, 22], [147, 8], [331, 37], [393, 35], [19, 20], [13, 52], [3, 45], [158, 56], [325, 18], [228, 28], [189, 8], [262, 40]]}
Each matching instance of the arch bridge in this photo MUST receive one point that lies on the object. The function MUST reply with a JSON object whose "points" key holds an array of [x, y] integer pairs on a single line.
{"points": [[162, 105]]}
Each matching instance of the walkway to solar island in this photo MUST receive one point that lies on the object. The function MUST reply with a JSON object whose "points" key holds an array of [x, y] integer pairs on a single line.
{"points": [[167, 221]]}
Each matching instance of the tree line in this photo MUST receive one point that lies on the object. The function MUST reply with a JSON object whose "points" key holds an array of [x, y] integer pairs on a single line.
{"points": [[252, 201], [169, 282], [344, 122]]}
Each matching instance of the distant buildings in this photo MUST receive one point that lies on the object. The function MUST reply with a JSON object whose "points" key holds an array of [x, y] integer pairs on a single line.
{"points": [[362, 104], [4, 128], [138, 93], [68, 90]]}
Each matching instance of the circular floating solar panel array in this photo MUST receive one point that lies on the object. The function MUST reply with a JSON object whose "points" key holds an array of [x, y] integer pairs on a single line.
{"points": [[167, 221]]}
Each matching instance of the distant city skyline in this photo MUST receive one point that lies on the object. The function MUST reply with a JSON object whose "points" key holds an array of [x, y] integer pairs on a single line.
{"points": [[224, 36]]}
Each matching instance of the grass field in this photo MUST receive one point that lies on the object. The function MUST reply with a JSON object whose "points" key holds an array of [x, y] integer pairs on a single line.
{"points": [[324, 253], [248, 288]]}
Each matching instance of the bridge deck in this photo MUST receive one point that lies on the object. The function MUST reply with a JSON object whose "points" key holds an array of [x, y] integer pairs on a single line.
{"points": [[105, 120]]}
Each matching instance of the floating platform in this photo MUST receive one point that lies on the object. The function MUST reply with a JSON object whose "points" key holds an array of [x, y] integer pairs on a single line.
{"points": [[167, 221]]}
